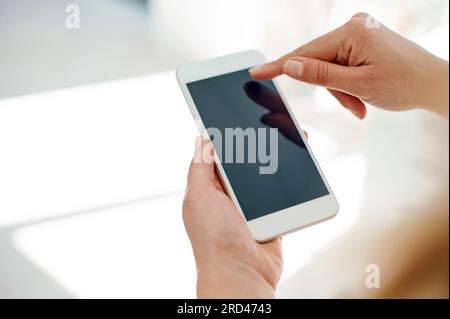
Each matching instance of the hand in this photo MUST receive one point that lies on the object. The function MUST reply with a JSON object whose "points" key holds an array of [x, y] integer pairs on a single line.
{"points": [[364, 61], [230, 263]]}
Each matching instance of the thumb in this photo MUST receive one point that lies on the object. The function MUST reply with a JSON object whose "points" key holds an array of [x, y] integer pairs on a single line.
{"points": [[201, 171], [326, 74]]}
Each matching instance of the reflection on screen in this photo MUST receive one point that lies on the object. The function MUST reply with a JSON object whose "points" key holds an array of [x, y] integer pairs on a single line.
{"points": [[235, 100]]}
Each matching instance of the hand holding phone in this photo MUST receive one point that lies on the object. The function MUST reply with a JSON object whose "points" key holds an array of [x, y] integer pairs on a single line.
{"points": [[263, 161], [223, 246]]}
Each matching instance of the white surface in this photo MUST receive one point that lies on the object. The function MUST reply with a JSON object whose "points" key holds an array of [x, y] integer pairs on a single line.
{"points": [[138, 250], [94, 145]]}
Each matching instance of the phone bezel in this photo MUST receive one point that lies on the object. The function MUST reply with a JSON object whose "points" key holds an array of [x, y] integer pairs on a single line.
{"points": [[281, 222]]}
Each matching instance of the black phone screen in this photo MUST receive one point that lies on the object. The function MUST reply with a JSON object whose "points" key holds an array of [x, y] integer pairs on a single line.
{"points": [[265, 177]]}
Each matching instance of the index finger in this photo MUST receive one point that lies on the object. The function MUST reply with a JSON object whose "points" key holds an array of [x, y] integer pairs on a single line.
{"points": [[324, 48]]}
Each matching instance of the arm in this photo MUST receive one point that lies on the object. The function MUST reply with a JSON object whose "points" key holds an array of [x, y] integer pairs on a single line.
{"points": [[435, 95]]}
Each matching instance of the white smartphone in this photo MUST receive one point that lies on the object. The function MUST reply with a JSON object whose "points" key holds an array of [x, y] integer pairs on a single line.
{"points": [[261, 154]]}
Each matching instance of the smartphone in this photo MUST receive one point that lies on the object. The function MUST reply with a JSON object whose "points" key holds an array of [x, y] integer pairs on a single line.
{"points": [[261, 154]]}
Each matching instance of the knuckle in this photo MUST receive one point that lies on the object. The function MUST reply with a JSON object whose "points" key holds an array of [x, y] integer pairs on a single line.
{"points": [[299, 51], [188, 198], [187, 203], [185, 211], [357, 26], [322, 73], [360, 14]]}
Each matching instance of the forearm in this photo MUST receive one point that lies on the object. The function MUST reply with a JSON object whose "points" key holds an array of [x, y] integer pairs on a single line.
{"points": [[232, 281]]}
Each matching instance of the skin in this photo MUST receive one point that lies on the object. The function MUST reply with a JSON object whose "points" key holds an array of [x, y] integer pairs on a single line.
{"points": [[230, 264], [358, 65]]}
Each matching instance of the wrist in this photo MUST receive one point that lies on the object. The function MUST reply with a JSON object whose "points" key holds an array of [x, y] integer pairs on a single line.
{"points": [[435, 88], [231, 279]]}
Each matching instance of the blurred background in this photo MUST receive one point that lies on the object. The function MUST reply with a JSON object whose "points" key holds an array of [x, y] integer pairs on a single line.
{"points": [[95, 140]]}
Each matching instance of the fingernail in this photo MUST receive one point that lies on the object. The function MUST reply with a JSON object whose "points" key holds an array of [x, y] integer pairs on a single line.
{"points": [[293, 68], [256, 68]]}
